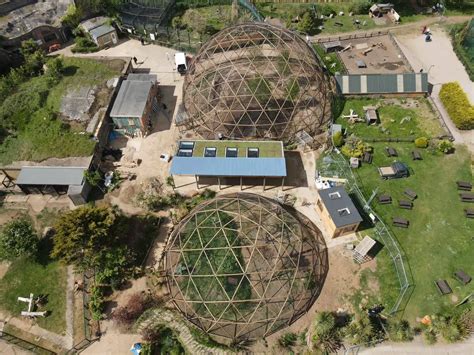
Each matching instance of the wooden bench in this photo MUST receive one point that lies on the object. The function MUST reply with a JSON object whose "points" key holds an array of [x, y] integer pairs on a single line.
{"points": [[443, 287], [405, 204], [391, 152], [469, 212], [466, 197], [411, 194], [367, 158], [416, 155], [400, 222], [462, 277], [464, 185], [385, 199]]}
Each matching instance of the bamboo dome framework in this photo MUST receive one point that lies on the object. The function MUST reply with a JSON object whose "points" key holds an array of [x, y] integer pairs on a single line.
{"points": [[242, 266]]}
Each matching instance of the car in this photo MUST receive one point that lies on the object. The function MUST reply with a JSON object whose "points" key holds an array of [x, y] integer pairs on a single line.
{"points": [[395, 171]]}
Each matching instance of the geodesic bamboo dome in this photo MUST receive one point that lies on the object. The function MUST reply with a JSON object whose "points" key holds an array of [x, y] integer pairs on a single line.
{"points": [[256, 81], [242, 266]]}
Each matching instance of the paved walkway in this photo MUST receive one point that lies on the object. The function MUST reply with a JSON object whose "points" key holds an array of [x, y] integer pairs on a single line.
{"points": [[172, 321], [418, 347], [439, 60]]}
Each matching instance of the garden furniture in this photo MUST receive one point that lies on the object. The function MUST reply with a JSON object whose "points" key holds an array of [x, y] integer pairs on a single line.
{"points": [[385, 199], [443, 287], [467, 197], [411, 194], [416, 155], [391, 152], [400, 222], [464, 185], [405, 204], [462, 277]]}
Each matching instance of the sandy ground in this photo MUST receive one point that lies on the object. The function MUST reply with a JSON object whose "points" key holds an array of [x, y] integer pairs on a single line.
{"points": [[385, 57], [439, 60], [9, 349]]}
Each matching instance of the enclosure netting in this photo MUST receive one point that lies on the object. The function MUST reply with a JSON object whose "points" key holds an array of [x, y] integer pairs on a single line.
{"points": [[242, 266], [256, 80]]}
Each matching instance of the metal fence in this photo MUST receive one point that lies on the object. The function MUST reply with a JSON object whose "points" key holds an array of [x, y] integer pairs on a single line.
{"points": [[335, 164], [24, 344], [351, 36]]}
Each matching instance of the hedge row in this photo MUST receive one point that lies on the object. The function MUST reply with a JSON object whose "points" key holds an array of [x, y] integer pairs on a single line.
{"points": [[458, 33], [458, 106]]}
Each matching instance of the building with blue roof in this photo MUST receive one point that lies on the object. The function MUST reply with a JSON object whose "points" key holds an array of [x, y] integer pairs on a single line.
{"points": [[227, 159]]}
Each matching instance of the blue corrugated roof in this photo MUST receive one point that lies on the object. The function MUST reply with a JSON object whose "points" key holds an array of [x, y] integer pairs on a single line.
{"points": [[201, 166]]}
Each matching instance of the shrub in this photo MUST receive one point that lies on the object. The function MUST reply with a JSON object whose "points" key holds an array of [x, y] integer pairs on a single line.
{"points": [[338, 139], [421, 142], [361, 331], [96, 302], [324, 334], [18, 239], [429, 336], [456, 328], [84, 45], [355, 147], [287, 340], [458, 106], [136, 305], [400, 330], [360, 7], [446, 146]]}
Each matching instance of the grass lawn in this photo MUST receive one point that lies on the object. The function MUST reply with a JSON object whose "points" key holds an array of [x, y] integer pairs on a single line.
{"points": [[421, 120], [266, 149], [329, 60], [26, 276], [439, 237], [41, 135]]}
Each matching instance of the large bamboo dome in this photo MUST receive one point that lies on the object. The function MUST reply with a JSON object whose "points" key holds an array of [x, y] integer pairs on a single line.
{"points": [[242, 266], [257, 81]]}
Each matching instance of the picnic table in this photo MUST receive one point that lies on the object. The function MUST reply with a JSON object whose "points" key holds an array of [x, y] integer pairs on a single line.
{"points": [[416, 155], [410, 193], [367, 158], [469, 212], [391, 152], [464, 185], [405, 204], [385, 199], [400, 222], [462, 276], [443, 287], [467, 197]]}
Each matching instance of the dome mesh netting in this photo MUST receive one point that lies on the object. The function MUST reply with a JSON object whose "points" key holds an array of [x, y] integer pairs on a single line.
{"points": [[256, 81], [242, 266]]}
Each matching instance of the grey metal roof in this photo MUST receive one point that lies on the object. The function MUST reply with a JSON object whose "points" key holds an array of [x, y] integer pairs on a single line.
{"points": [[335, 205], [382, 83], [142, 77], [50, 175], [101, 30], [93, 22], [131, 99], [271, 167]]}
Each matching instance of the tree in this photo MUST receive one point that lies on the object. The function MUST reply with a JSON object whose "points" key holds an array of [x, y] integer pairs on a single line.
{"points": [[445, 146], [83, 234], [93, 178], [114, 266], [18, 238], [34, 58], [307, 24], [361, 331], [55, 68], [360, 7], [324, 333]]}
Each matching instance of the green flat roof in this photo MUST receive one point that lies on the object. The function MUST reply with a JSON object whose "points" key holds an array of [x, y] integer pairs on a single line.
{"points": [[267, 149]]}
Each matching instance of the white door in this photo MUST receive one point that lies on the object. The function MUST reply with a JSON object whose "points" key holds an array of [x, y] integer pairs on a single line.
{"points": [[114, 38]]}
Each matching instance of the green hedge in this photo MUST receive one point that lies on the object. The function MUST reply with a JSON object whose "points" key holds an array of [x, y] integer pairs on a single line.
{"points": [[458, 33], [458, 106]]}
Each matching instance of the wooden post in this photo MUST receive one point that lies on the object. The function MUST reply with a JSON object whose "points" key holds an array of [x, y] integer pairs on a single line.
{"points": [[282, 183], [197, 183], [219, 182], [241, 183], [264, 181]]}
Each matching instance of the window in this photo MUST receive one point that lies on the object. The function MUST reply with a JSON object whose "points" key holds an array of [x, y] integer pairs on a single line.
{"points": [[185, 153], [320, 205], [344, 212], [131, 122], [334, 195], [252, 152], [210, 152], [231, 152]]}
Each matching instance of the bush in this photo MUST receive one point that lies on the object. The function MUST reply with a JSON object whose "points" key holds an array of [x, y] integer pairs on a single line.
{"points": [[446, 146], [96, 302], [287, 340], [355, 147], [84, 45], [400, 330], [361, 331], [338, 139], [421, 142], [458, 106], [429, 336], [18, 239], [360, 7], [136, 305], [324, 333]]}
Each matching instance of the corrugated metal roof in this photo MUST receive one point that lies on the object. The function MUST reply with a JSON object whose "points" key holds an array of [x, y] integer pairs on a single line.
{"points": [[50, 175], [101, 30], [336, 206], [131, 99], [201, 166], [382, 83]]}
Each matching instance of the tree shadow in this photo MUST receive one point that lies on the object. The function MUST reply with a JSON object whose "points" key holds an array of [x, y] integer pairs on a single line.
{"points": [[45, 246], [70, 70]]}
